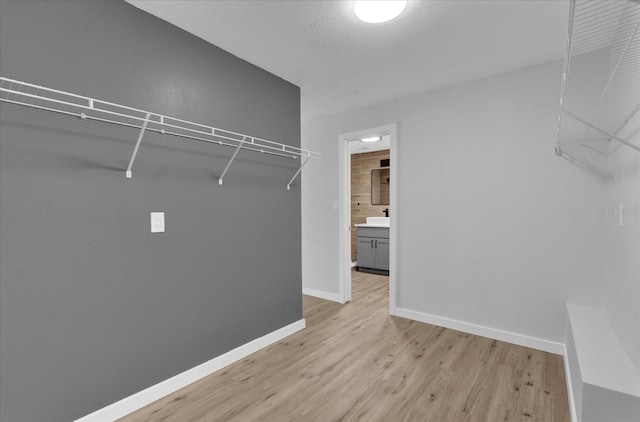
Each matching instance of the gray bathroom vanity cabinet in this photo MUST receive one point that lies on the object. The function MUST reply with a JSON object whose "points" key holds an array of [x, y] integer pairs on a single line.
{"points": [[373, 249]]}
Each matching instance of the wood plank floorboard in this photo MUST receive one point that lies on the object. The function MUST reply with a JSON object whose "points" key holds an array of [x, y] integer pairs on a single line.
{"points": [[355, 362]]}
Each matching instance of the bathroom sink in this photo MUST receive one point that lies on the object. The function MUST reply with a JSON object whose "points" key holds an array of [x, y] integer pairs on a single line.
{"points": [[379, 221]]}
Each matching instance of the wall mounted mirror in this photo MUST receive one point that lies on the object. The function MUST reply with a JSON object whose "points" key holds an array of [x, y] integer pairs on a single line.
{"points": [[380, 186]]}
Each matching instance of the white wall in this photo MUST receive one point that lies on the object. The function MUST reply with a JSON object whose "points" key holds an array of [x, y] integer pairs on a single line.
{"points": [[493, 228], [622, 245]]}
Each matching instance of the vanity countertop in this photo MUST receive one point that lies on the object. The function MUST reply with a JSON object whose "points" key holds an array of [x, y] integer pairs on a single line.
{"points": [[383, 222]]}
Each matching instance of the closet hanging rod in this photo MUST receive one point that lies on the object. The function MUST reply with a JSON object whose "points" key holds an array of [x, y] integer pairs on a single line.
{"points": [[562, 152], [156, 123]]}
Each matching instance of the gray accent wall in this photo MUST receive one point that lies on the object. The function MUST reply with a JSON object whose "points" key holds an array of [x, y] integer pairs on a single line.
{"points": [[93, 307]]}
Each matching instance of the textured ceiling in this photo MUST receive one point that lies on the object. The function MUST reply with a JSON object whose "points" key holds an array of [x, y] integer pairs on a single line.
{"points": [[342, 64]]}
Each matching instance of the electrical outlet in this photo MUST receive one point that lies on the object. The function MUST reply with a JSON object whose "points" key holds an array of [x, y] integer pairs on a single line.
{"points": [[157, 222]]}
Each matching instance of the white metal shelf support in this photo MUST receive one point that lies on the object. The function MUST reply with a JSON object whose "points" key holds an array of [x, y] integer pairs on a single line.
{"points": [[20, 93], [297, 173], [233, 157], [597, 129], [135, 149]]}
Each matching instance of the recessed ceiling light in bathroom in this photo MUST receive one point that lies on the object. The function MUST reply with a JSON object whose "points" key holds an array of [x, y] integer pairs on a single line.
{"points": [[378, 11]]}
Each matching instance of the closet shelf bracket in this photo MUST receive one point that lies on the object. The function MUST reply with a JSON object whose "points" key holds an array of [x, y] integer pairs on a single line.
{"points": [[233, 157], [602, 131], [135, 149], [297, 173]]}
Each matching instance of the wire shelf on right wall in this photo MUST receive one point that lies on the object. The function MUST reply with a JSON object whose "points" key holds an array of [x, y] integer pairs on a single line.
{"points": [[600, 96]]}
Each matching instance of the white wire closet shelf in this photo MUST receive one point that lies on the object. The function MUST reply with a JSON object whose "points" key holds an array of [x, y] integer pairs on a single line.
{"points": [[600, 95], [43, 98]]}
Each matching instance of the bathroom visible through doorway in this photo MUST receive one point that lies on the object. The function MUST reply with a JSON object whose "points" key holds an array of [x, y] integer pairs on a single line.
{"points": [[368, 203]]}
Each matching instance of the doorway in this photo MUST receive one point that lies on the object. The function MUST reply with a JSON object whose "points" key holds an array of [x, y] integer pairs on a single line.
{"points": [[346, 228]]}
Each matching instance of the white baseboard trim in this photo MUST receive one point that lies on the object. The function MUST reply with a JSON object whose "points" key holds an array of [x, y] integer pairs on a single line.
{"points": [[567, 375], [149, 395], [519, 339], [321, 294]]}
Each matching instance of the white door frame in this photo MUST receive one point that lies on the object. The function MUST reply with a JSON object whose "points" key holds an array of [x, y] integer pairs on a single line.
{"points": [[345, 211]]}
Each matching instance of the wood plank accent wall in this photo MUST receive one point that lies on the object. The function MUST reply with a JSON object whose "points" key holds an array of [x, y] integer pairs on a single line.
{"points": [[361, 208]]}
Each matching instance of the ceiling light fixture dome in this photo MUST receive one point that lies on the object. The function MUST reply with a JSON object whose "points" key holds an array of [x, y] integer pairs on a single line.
{"points": [[371, 139], [378, 11]]}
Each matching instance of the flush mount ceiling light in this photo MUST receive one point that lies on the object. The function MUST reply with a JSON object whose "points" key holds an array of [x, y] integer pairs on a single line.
{"points": [[372, 139], [378, 11]]}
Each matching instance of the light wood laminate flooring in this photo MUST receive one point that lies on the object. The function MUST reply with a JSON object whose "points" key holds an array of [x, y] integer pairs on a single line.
{"points": [[354, 362]]}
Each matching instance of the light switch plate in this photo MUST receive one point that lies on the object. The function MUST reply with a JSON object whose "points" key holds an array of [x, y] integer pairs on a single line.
{"points": [[157, 222]]}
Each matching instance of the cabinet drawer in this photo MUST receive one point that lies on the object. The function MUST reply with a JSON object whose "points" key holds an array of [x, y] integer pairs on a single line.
{"points": [[381, 232]]}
